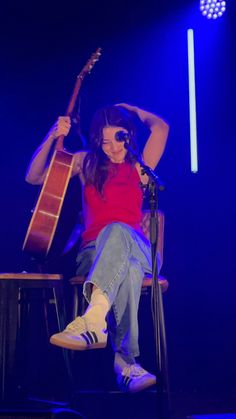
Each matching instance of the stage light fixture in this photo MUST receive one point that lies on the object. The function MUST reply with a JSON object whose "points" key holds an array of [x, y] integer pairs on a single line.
{"points": [[192, 103], [212, 9]]}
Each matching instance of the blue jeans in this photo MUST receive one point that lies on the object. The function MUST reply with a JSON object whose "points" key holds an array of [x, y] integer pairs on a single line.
{"points": [[116, 263]]}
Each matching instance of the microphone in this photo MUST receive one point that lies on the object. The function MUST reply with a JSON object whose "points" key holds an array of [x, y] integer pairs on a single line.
{"points": [[122, 136]]}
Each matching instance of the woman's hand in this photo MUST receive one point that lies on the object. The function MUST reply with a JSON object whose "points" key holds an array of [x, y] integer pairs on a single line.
{"points": [[146, 117], [61, 127]]}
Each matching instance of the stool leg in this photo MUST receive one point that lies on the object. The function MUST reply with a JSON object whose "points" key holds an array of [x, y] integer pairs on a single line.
{"points": [[61, 319], [45, 309], [3, 321], [60, 307], [8, 329], [79, 302], [75, 302], [23, 308]]}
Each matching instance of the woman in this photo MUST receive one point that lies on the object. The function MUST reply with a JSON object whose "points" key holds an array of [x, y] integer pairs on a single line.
{"points": [[114, 252]]}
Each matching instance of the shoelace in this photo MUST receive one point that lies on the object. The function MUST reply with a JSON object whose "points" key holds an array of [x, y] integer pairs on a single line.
{"points": [[78, 326], [133, 370]]}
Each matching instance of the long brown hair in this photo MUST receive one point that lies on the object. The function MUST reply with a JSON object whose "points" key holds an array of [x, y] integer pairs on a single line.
{"points": [[95, 166]]}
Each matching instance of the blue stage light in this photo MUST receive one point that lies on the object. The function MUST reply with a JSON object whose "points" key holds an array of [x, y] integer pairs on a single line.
{"points": [[212, 9]]}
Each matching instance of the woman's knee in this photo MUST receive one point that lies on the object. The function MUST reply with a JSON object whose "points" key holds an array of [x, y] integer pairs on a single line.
{"points": [[114, 230]]}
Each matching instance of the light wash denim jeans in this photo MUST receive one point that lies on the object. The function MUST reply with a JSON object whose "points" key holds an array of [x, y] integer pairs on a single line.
{"points": [[116, 263]]}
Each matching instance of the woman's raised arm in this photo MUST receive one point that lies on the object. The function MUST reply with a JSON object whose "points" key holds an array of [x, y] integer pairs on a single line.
{"points": [[156, 142]]}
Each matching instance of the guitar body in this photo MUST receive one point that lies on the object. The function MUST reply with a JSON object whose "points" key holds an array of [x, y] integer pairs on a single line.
{"points": [[46, 214]]}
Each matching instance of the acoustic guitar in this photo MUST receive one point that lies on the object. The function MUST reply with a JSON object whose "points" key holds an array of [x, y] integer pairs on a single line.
{"points": [[46, 214]]}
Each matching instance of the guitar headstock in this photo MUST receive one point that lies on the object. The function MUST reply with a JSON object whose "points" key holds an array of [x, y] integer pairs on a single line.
{"points": [[90, 63]]}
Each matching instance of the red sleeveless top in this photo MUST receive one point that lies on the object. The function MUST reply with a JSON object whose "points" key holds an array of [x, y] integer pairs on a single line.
{"points": [[121, 200]]}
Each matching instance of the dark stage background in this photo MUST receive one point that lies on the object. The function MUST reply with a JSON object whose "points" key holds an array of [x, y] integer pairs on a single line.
{"points": [[44, 45]]}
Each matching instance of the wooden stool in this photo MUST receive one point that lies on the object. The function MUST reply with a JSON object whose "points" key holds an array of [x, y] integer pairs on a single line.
{"points": [[12, 288]]}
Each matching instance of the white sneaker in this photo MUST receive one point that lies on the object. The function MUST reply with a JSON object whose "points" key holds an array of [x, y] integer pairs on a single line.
{"points": [[80, 335], [134, 378]]}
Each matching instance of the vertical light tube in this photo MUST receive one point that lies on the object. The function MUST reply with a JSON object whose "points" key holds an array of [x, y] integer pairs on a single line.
{"points": [[192, 103]]}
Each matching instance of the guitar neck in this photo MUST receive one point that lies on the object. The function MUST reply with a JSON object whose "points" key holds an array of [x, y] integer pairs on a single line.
{"points": [[87, 68], [59, 144], [70, 108]]}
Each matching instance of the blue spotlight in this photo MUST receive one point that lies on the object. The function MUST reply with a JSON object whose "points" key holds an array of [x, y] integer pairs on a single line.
{"points": [[212, 9]]}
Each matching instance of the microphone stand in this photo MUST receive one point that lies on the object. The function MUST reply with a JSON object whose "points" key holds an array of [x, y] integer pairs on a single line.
{"points": [[154, 185]]}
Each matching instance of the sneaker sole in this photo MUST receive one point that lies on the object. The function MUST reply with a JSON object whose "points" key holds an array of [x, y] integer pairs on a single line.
{"points": [[76, 345], [128, 385], [142, 387]]}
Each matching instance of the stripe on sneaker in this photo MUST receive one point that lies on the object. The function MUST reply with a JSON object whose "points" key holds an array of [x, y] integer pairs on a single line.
{"points": [[89, 337], [125, 382], [84, 336], [95, 337]]}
